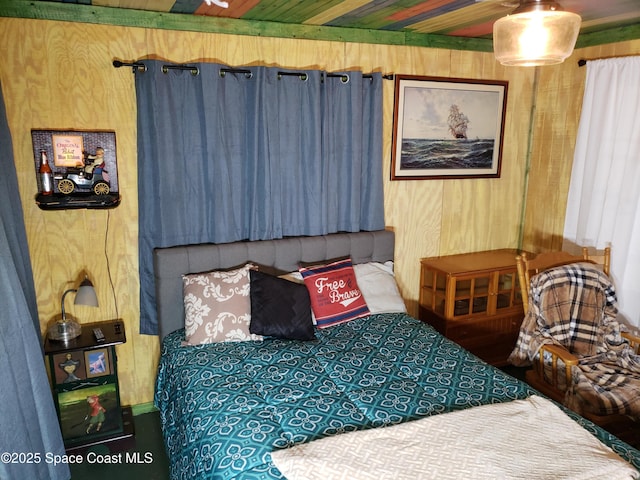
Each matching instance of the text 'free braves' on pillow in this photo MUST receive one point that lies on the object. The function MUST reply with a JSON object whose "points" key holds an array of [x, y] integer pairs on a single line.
{"points": [[335, 296]]}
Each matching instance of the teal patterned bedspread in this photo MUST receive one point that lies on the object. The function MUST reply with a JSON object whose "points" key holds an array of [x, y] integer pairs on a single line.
{"points": [[224, 407]]}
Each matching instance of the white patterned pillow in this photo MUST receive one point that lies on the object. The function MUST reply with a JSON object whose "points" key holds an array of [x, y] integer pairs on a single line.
{"points": [[217, 306]]}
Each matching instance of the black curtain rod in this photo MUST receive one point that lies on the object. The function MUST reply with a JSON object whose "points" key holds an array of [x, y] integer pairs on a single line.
{"points": [[246, 73], [582, 62], [388, 76], [165, 68], [223, 71], [303, 76], [134, 65], [191, 68]]}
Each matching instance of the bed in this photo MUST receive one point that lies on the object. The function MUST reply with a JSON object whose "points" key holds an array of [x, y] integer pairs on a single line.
{"points": [[229, 408]]}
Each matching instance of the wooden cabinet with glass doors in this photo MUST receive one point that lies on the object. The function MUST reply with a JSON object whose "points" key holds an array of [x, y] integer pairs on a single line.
{"points": [[474, 299]]}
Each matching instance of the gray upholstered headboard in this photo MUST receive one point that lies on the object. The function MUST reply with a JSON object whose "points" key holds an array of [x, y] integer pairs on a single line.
{"points": [[283, 255]]}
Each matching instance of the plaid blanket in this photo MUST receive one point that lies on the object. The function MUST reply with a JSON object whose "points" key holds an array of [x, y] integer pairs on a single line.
{"points": [[575, 306]]}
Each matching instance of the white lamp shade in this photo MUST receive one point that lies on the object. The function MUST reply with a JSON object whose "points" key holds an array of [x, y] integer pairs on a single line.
{"points": [[532, 38], [86, 294]]}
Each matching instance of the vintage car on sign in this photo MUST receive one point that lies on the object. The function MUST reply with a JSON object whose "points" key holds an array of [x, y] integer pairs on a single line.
{"points": [[92, 177]]}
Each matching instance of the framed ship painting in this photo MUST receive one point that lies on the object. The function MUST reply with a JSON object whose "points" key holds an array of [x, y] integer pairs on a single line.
{"points": [[447, 128]]}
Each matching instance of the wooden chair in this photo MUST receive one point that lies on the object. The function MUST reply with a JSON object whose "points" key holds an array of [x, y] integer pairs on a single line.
{"points": [[554, 363], [544, 261]]}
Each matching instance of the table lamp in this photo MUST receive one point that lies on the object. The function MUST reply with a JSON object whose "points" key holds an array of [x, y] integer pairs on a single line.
{"points": [[67, 329]]}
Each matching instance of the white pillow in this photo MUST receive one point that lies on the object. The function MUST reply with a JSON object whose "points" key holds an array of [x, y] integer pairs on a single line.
{"points": [[377, 283], [378, 286]]}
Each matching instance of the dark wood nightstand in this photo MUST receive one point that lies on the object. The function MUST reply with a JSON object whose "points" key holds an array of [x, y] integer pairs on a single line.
{"points": [[84, 381]]}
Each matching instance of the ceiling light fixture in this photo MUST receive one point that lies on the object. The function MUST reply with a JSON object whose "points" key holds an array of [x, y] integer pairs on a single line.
{"points": [[538, 32]]}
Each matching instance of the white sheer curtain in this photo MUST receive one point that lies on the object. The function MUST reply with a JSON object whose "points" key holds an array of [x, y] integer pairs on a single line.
{"points": [[604, 194]]}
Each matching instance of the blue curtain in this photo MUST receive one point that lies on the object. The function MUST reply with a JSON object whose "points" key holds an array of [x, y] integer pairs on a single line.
{"points": [[253, 153], [28, 421]]}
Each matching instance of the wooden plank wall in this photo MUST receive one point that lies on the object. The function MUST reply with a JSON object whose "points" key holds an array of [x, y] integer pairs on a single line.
{"points": [[58, 75]]}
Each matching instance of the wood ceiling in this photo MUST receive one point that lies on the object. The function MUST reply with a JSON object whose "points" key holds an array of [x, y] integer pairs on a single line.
{"points": [[455, 24]]}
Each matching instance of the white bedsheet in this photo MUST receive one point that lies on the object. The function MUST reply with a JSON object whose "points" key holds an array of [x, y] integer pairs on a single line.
{"points": [[524, 439]]}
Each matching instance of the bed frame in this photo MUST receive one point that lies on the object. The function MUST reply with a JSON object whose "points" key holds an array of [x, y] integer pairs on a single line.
{"points": [[279, 256]]}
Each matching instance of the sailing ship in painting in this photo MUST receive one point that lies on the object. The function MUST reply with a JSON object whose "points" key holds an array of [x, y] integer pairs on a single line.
{"points": [[457, 152], [458, 123]]}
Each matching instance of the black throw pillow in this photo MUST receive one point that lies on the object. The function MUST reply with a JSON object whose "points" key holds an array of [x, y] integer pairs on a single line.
{"points": [[280, 308]]}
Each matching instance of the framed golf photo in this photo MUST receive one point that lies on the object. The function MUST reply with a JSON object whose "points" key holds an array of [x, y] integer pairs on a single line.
{"points": [[91, 411]]}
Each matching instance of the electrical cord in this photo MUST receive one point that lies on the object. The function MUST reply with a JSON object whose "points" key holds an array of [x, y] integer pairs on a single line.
{"points": [[106, 255]]}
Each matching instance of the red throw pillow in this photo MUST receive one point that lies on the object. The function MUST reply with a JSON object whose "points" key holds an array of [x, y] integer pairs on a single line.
{"points": [[335, 296]]}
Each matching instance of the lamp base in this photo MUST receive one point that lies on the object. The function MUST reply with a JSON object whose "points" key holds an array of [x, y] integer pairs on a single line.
{"points": [[63, 331]]}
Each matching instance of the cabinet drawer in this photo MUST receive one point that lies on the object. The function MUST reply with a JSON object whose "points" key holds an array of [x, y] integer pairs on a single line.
{"points": [[464, 329]]}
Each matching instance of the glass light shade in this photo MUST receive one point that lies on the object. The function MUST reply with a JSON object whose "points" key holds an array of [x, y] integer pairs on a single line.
{"points": [[535, 34]]}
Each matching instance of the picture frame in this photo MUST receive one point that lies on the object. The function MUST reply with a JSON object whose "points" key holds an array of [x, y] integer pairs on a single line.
{"points": [[69, 367], [73, 152], [68, 150], [75, 169], [75, 407], [97, 362], [447, 128]]}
